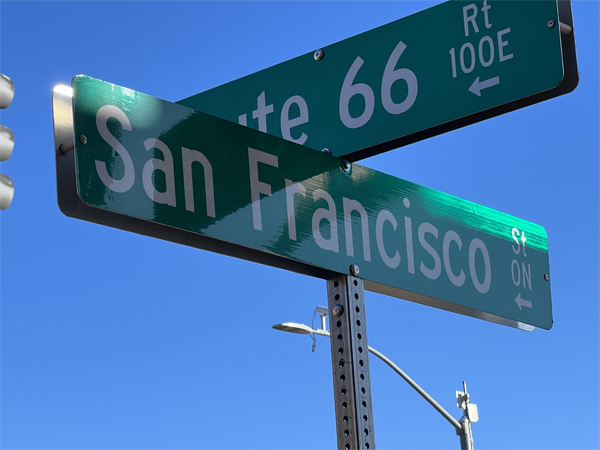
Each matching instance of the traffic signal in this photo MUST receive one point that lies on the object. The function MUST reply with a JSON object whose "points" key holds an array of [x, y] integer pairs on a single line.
{"points": [[7, 141]]}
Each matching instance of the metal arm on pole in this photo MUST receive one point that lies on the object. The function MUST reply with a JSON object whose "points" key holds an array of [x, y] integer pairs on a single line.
{"points": [[463, 427], [323, 332], [455, 423]]}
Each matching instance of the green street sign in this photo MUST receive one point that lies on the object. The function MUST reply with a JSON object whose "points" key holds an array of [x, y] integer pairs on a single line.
{"points": [[443, 68], [145, 164]]}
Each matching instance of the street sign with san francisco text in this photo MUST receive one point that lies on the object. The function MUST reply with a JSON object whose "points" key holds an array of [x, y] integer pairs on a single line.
{"points": [[165, 170]]}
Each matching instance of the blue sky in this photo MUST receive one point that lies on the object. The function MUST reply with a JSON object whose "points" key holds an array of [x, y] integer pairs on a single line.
{"points": [[112, 340]]}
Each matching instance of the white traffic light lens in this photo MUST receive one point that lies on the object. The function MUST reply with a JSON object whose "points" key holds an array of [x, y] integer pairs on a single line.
{"points": [[7, 142], [7, 91], [7, 191]]}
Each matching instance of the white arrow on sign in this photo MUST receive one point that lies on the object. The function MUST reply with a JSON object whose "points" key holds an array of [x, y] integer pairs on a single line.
{"points": [[477, 85], [522, 302]]}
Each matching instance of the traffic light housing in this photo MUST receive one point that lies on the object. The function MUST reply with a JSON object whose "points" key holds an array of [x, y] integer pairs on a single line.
{"points": [[7, 141]]}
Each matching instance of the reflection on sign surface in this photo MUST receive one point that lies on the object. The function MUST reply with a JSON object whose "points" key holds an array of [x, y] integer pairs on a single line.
{"points": [[168, 164]]}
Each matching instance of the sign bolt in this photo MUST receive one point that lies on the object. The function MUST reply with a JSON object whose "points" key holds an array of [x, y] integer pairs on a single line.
{"points": [[346, 166], [319, 54], [546, 277], [338, 310], [551, 23], [326, 150], [354, 270], [83, 138]]}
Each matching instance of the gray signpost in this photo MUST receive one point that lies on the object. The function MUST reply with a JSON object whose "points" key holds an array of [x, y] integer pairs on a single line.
{"points": [[350, 362]]}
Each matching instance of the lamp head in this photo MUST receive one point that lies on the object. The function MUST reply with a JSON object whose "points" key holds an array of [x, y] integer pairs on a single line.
{"points": [[292, 327]]}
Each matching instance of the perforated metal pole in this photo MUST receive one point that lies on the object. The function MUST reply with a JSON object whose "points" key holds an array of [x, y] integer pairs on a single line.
{"points": [[350, 363]]}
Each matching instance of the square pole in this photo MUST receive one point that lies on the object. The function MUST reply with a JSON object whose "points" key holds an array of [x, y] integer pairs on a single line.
{"points": [[350, 363]]}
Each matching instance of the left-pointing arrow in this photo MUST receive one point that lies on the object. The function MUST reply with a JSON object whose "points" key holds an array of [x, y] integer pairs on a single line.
{"points": [[478, 86], [522, 302]]}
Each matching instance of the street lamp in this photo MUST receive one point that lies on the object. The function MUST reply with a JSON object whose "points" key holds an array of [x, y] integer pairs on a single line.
{"points": [[463, 427]]}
